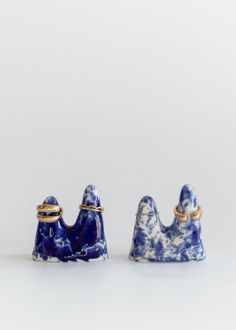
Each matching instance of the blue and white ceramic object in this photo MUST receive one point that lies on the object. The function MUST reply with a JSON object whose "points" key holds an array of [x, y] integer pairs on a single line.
{"points": [[85, 240], [181, 241]]}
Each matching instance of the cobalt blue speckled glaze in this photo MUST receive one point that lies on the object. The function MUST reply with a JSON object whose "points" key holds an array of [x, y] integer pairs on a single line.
{"points": [[85, 240], [181, 241]]}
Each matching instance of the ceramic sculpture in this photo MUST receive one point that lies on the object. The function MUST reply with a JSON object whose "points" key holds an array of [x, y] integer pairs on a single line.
{"points": [[85, 240], [181, 241]]}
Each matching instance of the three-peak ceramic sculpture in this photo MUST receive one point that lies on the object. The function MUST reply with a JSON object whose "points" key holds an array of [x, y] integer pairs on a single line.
{"points": [[181, 241], [85, 240]]}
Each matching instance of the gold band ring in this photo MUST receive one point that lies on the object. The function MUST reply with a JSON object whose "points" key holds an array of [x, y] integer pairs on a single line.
{"points": [[49, 208], [196, 215], [91, 208], [48, 219]]}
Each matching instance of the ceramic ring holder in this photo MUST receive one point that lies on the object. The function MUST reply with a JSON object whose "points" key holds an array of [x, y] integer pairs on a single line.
{"points": [[85, 240], [181, 241]]}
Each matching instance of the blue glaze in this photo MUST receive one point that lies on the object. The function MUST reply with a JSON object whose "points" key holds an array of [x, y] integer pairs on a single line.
{"points": [[83, 241], [154, 242]]}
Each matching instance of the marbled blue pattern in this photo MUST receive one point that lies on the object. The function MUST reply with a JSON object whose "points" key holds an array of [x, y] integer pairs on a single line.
{"points": [[85, 240], [154, 242]]}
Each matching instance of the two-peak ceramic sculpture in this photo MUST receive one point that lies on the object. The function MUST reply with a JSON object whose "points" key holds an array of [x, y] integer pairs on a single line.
{"points": [[85, 240], [181, 241], [152, 241]]}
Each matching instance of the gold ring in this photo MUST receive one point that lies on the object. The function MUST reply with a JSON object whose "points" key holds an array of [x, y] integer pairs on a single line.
{"points": [[196, 215], [48, 219], [48, 208], [91, 208]]}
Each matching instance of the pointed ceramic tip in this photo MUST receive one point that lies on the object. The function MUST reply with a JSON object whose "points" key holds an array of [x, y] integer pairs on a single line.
{"points": [[187, 200], [51, 200], [147, 206], [90, 196]]}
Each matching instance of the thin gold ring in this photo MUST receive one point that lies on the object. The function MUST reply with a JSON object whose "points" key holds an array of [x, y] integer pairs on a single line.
{"points": [[150, 213], [48, 208], [91, 208], [196, 215]]}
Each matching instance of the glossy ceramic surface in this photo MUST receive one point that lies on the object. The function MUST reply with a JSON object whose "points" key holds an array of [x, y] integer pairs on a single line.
{"points": [[85, 240]]}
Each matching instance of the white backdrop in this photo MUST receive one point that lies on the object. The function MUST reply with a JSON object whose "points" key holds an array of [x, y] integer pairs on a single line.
{"points": [[136, 97]]}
